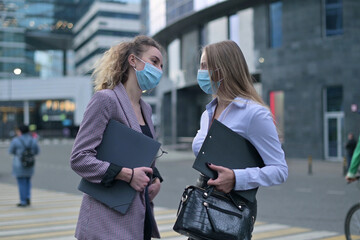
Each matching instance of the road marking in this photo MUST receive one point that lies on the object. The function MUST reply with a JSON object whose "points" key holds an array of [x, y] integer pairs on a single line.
{"points": [[304, 190], [335, 192], [53, 216], [278, 233], [309, 235]]}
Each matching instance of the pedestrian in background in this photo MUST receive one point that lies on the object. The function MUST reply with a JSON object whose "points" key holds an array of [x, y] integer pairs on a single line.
{"points": [[224, 74], [122, 74], [355, 162], [350, 147], [23, 174]]}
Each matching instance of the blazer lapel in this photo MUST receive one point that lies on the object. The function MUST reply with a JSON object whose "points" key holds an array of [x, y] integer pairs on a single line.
{"points": [[146, 110], [126, 106]]}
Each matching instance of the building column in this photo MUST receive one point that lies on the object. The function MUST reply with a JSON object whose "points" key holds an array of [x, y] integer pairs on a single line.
{"points": [[26, 113], [174, 115], [64, 62]]}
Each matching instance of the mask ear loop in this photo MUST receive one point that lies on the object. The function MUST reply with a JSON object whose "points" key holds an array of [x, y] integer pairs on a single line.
{"points": [[215, 85], [134, 67]]}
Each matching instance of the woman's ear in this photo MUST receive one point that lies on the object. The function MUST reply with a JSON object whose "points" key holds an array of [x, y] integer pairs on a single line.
{"points": [[131, 60]]}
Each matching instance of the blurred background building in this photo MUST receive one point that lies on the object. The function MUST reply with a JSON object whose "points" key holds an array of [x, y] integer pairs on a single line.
{"points": [[47, 52], [303, 55]]}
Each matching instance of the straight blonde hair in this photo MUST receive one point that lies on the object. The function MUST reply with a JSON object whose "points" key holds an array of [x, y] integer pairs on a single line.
{"points": [[227, 57], [113, 67]]}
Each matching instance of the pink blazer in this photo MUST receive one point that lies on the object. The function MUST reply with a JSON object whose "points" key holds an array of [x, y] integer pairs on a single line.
{"points": [[97, 221]]}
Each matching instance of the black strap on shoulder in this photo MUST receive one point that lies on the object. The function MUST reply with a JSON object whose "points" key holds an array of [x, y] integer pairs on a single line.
{"points": [[22, 142]]}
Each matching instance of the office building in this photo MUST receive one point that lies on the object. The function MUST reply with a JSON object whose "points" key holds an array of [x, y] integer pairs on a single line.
{"points": [[104, 24], [48, 51], [303, 55]]}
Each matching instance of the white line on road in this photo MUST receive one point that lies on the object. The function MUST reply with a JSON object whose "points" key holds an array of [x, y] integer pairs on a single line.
{"points": [[307, 236]]}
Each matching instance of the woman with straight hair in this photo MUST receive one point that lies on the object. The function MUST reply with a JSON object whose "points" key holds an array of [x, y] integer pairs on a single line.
{"points": [[120, 77], [224, 74]]}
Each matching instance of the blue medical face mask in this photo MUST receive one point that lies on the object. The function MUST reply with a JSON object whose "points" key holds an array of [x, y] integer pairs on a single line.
{"points": [[149, 77], [208, 86]]}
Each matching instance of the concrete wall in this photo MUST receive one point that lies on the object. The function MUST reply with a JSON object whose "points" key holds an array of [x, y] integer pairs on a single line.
{"points": [[307, 63]]}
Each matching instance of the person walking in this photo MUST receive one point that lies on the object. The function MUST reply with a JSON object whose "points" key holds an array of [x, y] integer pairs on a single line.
{"points": [[350, 147], [23, 174], [120, 77], [224, 74]]}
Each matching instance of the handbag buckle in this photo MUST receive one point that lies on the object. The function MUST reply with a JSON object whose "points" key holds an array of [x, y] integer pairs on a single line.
{"points": [[184, 198]]}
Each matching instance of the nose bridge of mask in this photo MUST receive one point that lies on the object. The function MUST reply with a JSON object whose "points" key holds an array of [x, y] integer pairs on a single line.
{"points": [[148, 65]]}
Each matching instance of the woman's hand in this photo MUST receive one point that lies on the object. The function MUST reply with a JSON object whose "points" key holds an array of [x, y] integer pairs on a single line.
{"points": [[140, 180], [225, 181], [350, 179], [137, 180], [154, 189]]}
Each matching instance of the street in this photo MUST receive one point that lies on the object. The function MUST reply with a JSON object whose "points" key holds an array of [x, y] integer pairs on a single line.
{"points": [[305, 203]]}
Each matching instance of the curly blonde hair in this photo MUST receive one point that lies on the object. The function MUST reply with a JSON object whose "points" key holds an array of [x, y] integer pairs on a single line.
{"points": [[113, 67]]}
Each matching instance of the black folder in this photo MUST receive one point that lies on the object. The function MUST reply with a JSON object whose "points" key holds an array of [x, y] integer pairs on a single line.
{"points": [[226, 148], [124, 147]]}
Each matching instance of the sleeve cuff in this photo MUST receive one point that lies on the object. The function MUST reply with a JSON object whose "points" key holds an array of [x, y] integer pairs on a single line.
{"points": [[240, 179], [350, 175], [156, 174], [111, 173]]}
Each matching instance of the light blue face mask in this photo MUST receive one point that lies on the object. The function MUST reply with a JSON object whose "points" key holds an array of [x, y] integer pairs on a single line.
{"points": [[149, 77], [208, 86]]}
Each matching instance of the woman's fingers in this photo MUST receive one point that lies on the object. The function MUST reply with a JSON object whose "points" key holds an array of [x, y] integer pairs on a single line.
{"points": [[225, 180], [140, 179]]}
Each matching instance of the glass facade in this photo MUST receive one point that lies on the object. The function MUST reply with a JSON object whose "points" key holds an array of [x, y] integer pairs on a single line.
{"points": [[176, 9], [12, 37], [29, 26], [49, 16], [275, 23]]}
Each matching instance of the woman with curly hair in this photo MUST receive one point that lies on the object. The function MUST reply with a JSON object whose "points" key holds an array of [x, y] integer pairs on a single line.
{"points": [[121, 75]]}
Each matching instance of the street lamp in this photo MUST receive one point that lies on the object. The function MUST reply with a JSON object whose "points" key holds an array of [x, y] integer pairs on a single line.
{"points": [[17, 71]]}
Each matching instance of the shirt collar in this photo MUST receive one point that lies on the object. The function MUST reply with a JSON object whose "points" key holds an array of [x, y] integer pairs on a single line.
{"points": [[238, 101]]}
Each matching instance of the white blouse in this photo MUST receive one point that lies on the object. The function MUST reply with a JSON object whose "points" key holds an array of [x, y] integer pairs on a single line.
{"points": [[254, 122]]}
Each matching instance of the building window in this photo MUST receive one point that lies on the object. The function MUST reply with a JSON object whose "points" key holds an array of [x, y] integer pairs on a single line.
{"points": [[334, 17], [277, 110], [275, 24], [334, 99]]}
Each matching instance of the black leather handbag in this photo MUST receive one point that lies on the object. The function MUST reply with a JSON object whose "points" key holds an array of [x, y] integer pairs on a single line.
{"points": [[207, 214]]}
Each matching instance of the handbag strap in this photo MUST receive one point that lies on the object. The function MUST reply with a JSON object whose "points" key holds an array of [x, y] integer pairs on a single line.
{"points": [[23, 143], [210, 189]]}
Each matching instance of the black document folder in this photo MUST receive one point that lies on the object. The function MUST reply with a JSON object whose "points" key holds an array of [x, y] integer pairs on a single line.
{"points": [[124, 147], [226, 148]]}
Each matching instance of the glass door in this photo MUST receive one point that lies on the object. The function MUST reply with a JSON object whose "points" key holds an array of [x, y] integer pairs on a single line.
{"points": [[334, 136]]}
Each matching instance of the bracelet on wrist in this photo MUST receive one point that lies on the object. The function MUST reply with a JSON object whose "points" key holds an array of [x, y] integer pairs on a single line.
{"points": [[132, 175]]}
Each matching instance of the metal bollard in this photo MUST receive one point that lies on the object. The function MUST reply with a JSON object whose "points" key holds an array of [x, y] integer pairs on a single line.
{"points": [[310, 165]]}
